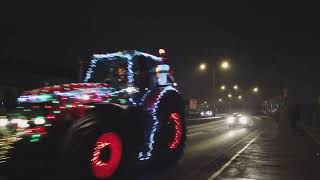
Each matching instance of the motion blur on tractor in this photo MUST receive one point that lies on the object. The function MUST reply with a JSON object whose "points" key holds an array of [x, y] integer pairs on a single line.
{"points": [[125, 116]]}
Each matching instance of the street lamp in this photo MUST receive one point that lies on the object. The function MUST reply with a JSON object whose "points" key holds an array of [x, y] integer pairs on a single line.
{"points": [[229, 95], [223, 87], [220, 100], [235, 87], [202, 66], [225, 65], [239, 97], [255, 90]]}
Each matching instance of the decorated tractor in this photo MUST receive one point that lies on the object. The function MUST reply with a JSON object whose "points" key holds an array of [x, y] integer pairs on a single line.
{"points": [[124, 117]]}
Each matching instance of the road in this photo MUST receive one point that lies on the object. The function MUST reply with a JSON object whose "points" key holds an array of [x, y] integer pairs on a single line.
{"points": [[214, 151], [207, 145]]}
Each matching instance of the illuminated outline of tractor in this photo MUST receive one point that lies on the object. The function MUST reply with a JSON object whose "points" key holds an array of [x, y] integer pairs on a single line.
{"points": [[126, 115]]}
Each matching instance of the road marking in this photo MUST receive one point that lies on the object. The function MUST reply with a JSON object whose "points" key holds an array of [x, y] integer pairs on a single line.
{"points": [[205, 132], [217, 173], [216, 121], [311, 135], [204, 124], [195, 119], [194, 133], [216, 128]]}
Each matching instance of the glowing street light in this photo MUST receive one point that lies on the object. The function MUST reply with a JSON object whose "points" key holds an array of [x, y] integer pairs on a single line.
{"points": [[239, 97], [223, 87], [225, 65], [202, 66], [235, 87], [220, 100], [229, 95], [255, 90]]}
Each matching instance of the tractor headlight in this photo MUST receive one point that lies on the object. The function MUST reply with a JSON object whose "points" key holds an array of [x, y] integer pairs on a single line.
{"points": [[21, 123], [243, 119], [3, 122], [39, 120], [230, 120]]}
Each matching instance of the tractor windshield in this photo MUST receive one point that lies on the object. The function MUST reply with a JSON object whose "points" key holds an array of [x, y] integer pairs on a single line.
{"points": [[110, 72]]}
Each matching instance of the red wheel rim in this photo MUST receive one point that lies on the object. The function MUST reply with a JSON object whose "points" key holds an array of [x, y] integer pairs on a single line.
{"points": [[103, 169], [175, 118]]}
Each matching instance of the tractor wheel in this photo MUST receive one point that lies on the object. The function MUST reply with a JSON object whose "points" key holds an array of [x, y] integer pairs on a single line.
{"points": [[171, 138], [94, 150]]}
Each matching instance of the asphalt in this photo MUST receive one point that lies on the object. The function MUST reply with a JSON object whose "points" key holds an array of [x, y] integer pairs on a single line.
{"points": [[277, 155], [264, 151], [215, 151]]}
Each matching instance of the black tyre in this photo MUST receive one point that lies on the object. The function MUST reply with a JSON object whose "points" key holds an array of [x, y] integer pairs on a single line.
{"points": [[94, 149], [170, 141]]}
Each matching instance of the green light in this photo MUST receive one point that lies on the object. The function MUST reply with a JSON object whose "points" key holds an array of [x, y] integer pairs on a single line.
{"points": [[69, 105], [34, 140], [123, 101], [55, 102], [20, 107], [36, 136], [56, 112], [27, 110], [45, 96]]}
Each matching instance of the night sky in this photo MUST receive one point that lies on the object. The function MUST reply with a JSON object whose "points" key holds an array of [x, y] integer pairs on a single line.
{"points": [[273, 45]]}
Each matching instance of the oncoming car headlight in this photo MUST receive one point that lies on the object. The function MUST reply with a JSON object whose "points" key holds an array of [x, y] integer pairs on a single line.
{"points": [[243, 119], [209, 113], [230, 120]]}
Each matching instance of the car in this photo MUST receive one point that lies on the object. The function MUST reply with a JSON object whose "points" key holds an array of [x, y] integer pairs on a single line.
{"points": [[238, 119], [207, 113], [124, 116]]}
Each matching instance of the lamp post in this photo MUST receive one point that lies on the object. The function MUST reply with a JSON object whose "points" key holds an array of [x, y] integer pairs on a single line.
{"points": [[256, 90], [224, 65]]}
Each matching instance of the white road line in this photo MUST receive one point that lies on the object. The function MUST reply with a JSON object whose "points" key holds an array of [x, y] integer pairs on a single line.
{"points": [[195, 119], [216, 121], [217, 173], [194, 133], [312, 136], [204, 124], [205, 132]]}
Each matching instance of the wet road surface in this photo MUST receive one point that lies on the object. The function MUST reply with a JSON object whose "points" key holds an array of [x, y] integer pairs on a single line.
{"points": [[215, 151]]}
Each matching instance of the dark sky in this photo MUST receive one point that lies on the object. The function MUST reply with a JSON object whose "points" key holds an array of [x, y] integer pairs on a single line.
{"points": [[272, 44]]}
